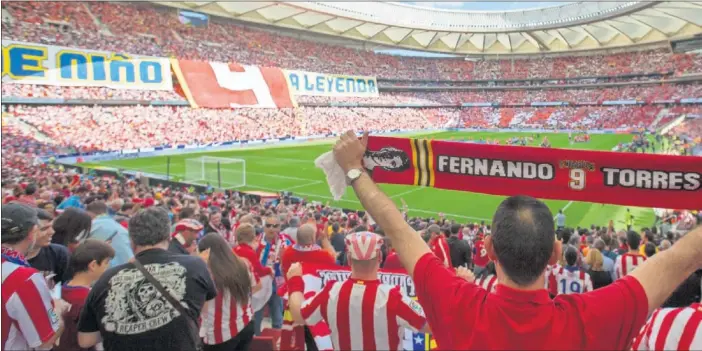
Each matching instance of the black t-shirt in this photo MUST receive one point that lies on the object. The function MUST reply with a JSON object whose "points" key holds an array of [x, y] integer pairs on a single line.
{"points": [[600, 279], [175, 247], [131, 314], [460, 252], [52, 259]]}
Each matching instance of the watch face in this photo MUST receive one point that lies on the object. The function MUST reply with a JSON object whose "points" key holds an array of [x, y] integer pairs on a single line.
{"points": [[354, 173]]}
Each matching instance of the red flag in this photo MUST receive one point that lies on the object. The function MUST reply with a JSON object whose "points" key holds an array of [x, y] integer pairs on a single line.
{"points": [[222, 85]]}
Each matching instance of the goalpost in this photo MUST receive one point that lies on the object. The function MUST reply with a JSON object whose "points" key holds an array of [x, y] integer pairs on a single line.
{"points": [[220, 172]]}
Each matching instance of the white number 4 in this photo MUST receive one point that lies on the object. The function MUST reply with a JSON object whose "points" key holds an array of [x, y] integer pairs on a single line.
{"points": [[577, 179]]}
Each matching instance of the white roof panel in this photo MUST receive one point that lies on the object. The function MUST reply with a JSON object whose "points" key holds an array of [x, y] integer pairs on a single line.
{"points": [[548, 29]]}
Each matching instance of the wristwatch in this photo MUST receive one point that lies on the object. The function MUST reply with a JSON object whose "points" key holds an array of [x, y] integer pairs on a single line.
{"points": [[352, 175]]}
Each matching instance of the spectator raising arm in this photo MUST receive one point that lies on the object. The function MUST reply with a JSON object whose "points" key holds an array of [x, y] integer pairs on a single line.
{"points": [[661, 274], [408, 244]]}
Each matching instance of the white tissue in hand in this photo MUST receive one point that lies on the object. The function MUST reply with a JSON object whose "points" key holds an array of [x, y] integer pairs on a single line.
{"points": [[336, 178]]}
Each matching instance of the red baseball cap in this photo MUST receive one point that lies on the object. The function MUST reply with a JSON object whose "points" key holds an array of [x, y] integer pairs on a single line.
{"points": [[188, 224]]}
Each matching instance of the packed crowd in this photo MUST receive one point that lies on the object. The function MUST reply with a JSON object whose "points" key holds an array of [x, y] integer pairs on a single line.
{"points": [[221, 259], [646, 93], [88, 93], [151, 30], [130, 127], [109, 262]]}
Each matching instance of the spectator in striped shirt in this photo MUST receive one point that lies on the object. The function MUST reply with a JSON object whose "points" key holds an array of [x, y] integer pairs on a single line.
{"points": [[520, 313], [487, 278], [627, 262], [227, 322], [571, 279], [29, 319], [362, 313], [672, 329], [439, 245]]}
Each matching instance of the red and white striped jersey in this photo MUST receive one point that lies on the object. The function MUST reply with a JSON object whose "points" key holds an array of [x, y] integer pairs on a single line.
{"points": [[363, 314], [28, 316], [572, 282], [440, 248], [672, 329], [626, 264], [223, 318], [550, 281], [488, 282]]}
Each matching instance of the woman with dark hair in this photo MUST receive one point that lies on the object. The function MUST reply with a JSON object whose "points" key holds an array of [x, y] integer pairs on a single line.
{"points": [[71, 227], [231, 309]]}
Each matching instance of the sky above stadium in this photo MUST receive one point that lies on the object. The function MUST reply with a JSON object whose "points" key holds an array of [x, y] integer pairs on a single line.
{"points": [[486, 5]]}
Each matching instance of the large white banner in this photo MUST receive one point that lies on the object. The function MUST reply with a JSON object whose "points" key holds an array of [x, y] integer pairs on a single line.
{"points": [[321, 84], [30, 63]]}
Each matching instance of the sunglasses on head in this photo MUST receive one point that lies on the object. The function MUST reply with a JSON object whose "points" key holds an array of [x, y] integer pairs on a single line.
{"points": [[272, 225]]}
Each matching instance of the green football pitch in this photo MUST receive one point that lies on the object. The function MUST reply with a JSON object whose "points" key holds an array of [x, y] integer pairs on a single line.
{"points": [[291, 168]]}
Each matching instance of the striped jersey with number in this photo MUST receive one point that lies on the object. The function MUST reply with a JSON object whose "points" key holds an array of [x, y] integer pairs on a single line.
{"points": [[672, 329], [364, 314], [572, 282], [626, 264]]}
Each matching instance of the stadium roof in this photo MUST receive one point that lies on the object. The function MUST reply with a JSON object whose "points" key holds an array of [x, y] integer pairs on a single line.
{"points": [[567, 27]]}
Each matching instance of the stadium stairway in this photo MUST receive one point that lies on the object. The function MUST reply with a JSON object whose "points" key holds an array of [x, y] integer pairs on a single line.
{"points": [[28, 129], [662, 114], [102, 26]]}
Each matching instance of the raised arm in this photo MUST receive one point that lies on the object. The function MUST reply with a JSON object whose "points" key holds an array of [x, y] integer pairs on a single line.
{"points": [[661, 274], [408, 244]]}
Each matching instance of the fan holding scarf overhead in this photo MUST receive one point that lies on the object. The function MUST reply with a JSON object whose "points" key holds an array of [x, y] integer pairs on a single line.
{"points": [[644, 180]]}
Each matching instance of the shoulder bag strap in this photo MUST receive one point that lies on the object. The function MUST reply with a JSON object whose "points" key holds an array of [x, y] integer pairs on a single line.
{"points": [[172, 300], [194, 329]]}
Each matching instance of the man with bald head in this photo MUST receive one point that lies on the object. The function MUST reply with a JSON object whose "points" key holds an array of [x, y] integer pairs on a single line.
{"points": [[306, 251]]}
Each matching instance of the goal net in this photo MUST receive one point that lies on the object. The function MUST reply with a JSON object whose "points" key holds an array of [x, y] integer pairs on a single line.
{"points": [[220, 172]]}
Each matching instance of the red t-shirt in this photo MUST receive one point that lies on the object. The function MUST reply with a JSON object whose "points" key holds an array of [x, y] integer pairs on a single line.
{"points": [[392, 261], [245, 251], [76, 296], [292, 255], [480, 257], [607, 318]]}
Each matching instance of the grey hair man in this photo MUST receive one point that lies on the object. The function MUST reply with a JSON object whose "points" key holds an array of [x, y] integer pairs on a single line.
{"points": [[185, 277], [292, 229]]}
